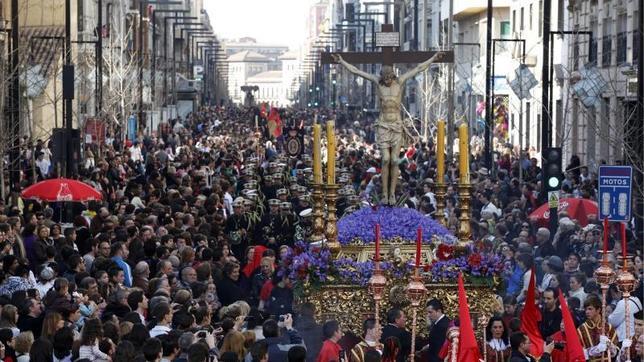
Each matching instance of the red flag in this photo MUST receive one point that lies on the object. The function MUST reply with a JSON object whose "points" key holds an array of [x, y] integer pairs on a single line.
{"points": [[530, 318], [275, 123], [468, 350], [262, 111], [574, 350]]}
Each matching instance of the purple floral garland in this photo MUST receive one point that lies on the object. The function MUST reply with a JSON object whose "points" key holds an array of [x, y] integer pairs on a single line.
{"points": [[394, 222]]}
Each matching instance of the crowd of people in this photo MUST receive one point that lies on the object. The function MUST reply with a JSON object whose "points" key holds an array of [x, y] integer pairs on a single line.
{"points": [[183, 258]]}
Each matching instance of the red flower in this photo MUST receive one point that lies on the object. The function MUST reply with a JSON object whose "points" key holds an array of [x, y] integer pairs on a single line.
{"points": [[426, 268], [474, 259], [444, 252]]}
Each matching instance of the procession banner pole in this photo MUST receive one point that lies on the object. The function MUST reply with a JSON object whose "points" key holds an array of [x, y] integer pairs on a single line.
{"points": [[483, 321]]}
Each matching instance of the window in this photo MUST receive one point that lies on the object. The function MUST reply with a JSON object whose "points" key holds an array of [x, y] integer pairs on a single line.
{"points": [[607, 44], [621, 39], [530, 18], [521, 25], [80, 11], [505, 30], [592, 56], [514, 21], [575, 55]]}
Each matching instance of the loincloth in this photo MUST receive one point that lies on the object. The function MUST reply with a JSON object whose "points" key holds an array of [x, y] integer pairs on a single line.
{"points": [[392, 134]]}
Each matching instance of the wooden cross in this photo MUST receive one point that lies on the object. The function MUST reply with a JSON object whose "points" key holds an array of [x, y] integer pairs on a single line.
{"points": [[390, 55]]}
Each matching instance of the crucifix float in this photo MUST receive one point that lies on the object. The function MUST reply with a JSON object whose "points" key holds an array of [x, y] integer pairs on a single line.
{"points": [[392, 132]]}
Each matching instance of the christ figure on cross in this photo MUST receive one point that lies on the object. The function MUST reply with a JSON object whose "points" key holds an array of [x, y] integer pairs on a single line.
{"points": [[391, 131]]}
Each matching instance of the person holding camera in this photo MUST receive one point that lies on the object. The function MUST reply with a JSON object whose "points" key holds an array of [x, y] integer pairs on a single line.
{"points": [[280, 343]]}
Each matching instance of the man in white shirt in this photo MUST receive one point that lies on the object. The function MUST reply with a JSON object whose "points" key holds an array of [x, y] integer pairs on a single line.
{"points": [[135, 152], [488, 205], [617, 318], [43, 165]]}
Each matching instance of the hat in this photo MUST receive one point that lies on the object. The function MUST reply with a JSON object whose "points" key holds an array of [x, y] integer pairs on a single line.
{"points": [[285, 205], [248, 202], [47, 273], [273, 202], [238, 201], [371, 170], [306, 212], [555, 263], [282, 192], [483, 171]]}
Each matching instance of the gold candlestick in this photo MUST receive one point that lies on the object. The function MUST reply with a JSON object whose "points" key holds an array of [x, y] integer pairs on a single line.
{"points": [[331, 228], [464, 232], [483, 321], [317, 155], [330, 155], [463, 154], [416, 290], [441, 190], [317, 195], [605, 276]]}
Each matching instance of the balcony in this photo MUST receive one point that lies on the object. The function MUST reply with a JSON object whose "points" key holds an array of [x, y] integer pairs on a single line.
{"points": [[464, 9]]}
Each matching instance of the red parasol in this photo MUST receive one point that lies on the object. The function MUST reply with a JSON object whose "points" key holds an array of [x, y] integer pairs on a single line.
{"points": [[61, 189], [577, 209]]}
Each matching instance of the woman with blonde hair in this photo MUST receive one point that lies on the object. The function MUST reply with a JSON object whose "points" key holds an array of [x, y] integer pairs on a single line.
{"points": [[53, 322], [234, 342], [9, 318], [22, 343]]}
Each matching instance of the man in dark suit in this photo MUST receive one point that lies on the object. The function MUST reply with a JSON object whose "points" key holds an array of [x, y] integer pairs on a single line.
{"points": [[438, 329], [396, 328]]}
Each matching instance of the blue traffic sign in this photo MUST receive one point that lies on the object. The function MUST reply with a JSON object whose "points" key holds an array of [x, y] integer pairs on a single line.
{"points": [[614, 198]]}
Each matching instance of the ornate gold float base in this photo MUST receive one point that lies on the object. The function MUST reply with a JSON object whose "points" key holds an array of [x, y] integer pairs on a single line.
{"points": [[352, 304]]}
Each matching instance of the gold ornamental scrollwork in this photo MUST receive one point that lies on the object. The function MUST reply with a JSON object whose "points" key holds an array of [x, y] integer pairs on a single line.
{"points": [[352, 304]]}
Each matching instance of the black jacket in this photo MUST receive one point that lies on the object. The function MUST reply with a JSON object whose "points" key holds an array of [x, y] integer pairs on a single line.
{"points": [[229, 292], [403, 336], [311, 333], [519, 357], [437, 336]]}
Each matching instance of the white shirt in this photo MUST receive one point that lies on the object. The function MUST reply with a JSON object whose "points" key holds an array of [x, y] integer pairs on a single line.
{"points": [[228, 203], [135, 154], [579, 294], [159, 330], [491, 208], [617, 318], [497, 344], [43, 165]]}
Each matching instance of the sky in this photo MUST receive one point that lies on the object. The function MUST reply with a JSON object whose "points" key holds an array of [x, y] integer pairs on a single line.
{"points": [[275, 22]]}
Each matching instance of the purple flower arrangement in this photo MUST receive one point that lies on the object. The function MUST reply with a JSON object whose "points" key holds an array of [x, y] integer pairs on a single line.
{"points": [[359, 227], [312, 265], [477, 265]]}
